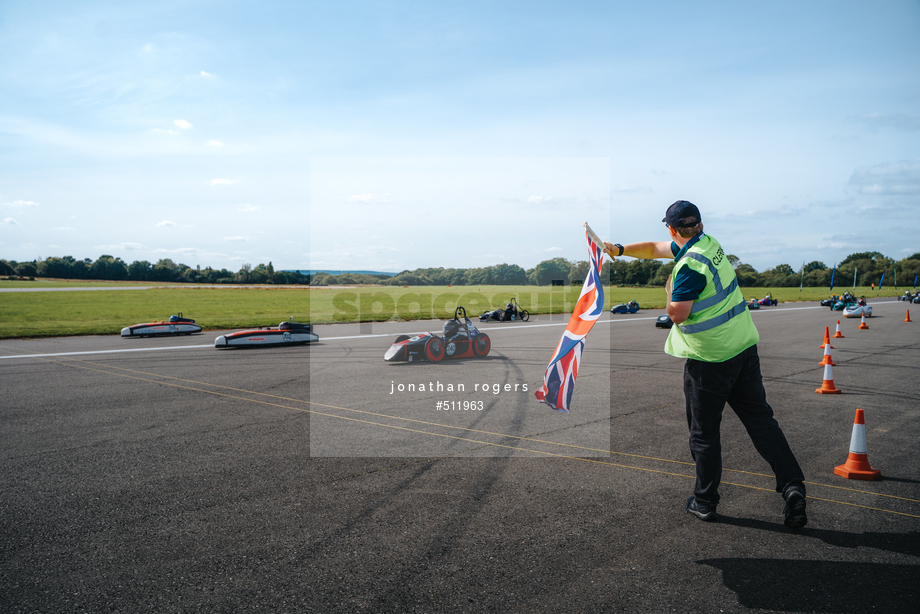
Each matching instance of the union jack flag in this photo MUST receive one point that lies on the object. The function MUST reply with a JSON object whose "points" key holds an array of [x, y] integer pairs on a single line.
{"points": [[559, 379]]}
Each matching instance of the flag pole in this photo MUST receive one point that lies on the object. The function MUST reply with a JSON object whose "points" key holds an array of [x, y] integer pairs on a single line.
{"points": [[593, 235]]}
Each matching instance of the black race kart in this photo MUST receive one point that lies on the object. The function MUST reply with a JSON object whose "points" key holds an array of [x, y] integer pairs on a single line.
{"points": [[664, 321], [511, 312], [177, 325], [630, 307], [460, 340]]}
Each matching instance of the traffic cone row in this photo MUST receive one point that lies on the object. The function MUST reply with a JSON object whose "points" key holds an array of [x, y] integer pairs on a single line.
{"points": [[857, 466], [827, 386]]}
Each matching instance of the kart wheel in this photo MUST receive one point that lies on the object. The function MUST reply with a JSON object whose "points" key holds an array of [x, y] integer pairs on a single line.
{"points": [[401, 338], [482, 345], [525, 315], [434, 349]]}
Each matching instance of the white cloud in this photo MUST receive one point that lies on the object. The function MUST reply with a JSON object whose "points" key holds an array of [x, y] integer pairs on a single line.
{"points": [[236, 239], [119, 246], [148, 47], [369, 199], [633, 189], [538, 200], [206, 75], [213, 143], [248, 208], [553, 249], [183, 124], [11, 221], [161, 131], [889, 178], [899, 121], [220, 181], [166, 223], [21, 203]]}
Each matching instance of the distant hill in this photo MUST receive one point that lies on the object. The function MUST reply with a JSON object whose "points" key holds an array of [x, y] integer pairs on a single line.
{"points": [[330, 272]]}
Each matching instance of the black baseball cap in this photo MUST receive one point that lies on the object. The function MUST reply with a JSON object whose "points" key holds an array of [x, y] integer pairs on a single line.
{"points": [[679, 212]]}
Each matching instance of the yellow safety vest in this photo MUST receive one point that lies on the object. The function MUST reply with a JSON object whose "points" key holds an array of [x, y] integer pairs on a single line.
{"points": [[720, 325]]}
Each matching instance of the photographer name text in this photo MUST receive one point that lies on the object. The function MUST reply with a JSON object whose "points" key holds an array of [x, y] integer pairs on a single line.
{"points": [[451, 387]]}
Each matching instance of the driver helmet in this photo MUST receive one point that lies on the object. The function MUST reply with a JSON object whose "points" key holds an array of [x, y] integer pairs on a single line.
{"points": [[451, 328]]}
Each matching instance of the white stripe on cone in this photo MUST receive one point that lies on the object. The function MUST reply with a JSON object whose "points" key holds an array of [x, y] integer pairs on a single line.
{"points": [[858, 440]]}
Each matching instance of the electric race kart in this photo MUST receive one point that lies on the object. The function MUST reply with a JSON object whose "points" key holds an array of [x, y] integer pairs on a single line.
{"points": [[843, 301], [511, 312], [177, 325], [663, 321], [768, 301], [858, 310], [461, 340], [753, 304], [630, 307], [287, 333]]}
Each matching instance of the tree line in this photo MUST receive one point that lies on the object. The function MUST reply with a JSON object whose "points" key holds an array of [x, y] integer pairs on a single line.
{"points": [[863, 268], [110, 268]]}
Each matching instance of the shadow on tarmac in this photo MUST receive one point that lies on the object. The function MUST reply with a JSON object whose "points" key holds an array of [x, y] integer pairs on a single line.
{"points": [[821, 586], [902, 543], [892, 479], [824, 586]]}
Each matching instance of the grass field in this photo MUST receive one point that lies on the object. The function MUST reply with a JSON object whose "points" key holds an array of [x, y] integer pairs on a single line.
{"points": [[96, 312]]}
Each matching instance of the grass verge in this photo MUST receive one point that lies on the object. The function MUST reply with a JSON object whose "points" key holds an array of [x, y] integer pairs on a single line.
{"points": [[53, 314]]}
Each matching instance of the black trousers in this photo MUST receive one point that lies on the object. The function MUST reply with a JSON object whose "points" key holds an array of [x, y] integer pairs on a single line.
{"points": [[737, 381]]}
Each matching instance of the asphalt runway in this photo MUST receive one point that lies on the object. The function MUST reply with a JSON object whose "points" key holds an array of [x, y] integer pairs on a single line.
{"points": [[175, 477]]}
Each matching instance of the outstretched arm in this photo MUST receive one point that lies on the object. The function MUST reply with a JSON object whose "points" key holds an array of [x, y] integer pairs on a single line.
{"points": [[644, 251]]}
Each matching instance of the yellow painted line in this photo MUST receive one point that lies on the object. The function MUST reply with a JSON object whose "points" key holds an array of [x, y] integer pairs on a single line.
{"points": [[410, 430], [461, 428]]}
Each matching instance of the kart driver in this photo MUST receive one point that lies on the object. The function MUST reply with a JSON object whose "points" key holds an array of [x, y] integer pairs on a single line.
{"points": [[714, 331]]}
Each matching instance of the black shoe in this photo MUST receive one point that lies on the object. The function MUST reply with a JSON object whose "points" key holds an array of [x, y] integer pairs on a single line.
{"points": [[794, 511], [701, 511]]}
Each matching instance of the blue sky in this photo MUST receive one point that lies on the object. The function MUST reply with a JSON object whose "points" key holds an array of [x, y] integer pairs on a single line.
{"points": [[381, 135]]}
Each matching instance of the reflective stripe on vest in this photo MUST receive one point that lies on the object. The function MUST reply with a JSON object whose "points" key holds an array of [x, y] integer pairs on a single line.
{"points": [[713, 322], [721, 293]]}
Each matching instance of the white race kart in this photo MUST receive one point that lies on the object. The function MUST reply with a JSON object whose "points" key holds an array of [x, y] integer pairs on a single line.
{"points": [[857, 311]]}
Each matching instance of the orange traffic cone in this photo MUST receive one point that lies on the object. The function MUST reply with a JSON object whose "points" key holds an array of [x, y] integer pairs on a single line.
{"points": [[827, 337], [838, 334], [907, 317], [827, 386], [857, 466], [827, 360], [862, 323]]}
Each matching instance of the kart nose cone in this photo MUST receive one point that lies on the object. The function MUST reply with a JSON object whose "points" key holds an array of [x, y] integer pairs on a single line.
{"points": [[393, 351], [220, 342], [126, 331]]}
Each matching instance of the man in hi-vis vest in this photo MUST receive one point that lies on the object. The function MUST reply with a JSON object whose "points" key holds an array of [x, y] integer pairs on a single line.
{"points": [[714, 331]]}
